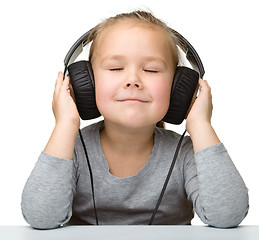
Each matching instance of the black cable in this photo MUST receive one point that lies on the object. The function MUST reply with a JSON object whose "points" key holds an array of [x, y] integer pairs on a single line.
{"points": [[91, 175], [167, 179]]}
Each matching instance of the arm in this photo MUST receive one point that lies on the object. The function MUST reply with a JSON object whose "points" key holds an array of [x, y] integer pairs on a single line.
{"points": [[48, 193], [213, 184], [215, 187]]}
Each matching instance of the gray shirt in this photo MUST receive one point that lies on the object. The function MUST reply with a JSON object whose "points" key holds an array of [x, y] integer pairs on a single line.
{"points": [[58, 191]]}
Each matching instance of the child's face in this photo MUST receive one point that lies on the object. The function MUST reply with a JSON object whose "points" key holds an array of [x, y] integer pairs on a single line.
{"points": [[133, 71]]}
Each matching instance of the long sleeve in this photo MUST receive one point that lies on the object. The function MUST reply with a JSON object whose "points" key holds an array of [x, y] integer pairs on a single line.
{"points": [[48, 193], [207, 181], [215, 187]]}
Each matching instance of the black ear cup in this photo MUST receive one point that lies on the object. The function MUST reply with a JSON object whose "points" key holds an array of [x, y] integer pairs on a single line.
{"points": [[82, 79], [184, 86]]}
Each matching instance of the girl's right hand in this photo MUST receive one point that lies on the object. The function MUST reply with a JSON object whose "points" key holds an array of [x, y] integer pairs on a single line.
{"points": [[63, 105]]}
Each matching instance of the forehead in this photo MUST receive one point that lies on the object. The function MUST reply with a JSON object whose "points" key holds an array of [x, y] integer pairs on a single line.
{"points": [[144, 37]]}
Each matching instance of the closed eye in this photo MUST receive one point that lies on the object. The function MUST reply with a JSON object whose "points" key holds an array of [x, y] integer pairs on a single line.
{"points": [[116, 69], [150, 71]]}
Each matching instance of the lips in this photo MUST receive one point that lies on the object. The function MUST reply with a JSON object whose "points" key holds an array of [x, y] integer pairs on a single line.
{"points": [[135, 98], [132, 100], [132, 97]]}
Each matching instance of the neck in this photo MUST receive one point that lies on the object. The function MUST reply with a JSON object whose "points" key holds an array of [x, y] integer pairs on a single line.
{"points": [[127, 140]]}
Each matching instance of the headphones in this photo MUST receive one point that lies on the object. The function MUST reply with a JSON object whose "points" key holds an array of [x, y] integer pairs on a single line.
{"points": [[184, 85]]}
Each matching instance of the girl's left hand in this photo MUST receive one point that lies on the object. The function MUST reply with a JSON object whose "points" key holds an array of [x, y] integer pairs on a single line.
{"points": [[201, 110]]}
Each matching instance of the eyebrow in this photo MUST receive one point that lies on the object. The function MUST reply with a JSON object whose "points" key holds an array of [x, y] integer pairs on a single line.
{"points": [[112, 57], [121, 57]]}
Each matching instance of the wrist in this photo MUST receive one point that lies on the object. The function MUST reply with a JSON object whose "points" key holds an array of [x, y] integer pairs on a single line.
{"points": [[68, 125], [62, 140], [202, 135], [66, 128], [197, 126]]}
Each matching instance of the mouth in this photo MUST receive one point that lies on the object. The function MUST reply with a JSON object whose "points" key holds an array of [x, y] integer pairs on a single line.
{"points": [[133, 100]]}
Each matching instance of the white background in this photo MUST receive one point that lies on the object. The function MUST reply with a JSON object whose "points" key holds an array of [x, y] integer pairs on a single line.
{"points": [[36, 35]]}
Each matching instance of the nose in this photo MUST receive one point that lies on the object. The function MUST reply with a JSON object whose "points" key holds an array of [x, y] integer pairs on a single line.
{"points": [[131, 84], [133, 81]]}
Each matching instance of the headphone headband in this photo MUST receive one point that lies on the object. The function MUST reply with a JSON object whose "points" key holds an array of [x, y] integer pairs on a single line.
{"points": [[191, 54]]}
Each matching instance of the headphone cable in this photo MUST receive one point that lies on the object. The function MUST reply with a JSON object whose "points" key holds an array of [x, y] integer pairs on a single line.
{"points": [[91, 176], [167, 179]]}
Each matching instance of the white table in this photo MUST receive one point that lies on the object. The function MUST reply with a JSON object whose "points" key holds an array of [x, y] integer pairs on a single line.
{"points": [[130, 233]]}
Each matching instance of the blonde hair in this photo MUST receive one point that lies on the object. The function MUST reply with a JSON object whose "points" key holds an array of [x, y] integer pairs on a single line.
{"points": [[143, 17]]}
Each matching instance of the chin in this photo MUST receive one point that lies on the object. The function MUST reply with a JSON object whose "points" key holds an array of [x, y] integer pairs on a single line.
{"points": [[131, 119], [134, 123]]}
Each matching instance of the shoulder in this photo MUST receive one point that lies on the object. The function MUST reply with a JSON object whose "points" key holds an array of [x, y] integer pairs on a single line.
{"points": [[89, 141], [90, 135], [91, 130], [171, 136], [171, 139], [94, 127]]}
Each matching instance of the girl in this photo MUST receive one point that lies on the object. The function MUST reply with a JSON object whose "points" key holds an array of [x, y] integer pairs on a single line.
{"points": [[133, 57]]}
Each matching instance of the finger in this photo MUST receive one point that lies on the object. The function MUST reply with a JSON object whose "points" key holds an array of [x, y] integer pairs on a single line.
{"points": [[65, 84], [202, 83], [204, 86], [71, 90], [207, 91], [59, 82]]}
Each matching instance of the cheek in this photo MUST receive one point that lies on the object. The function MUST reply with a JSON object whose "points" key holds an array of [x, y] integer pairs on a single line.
{"points": [[101, 97], [162, 93], [103, 93]]}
